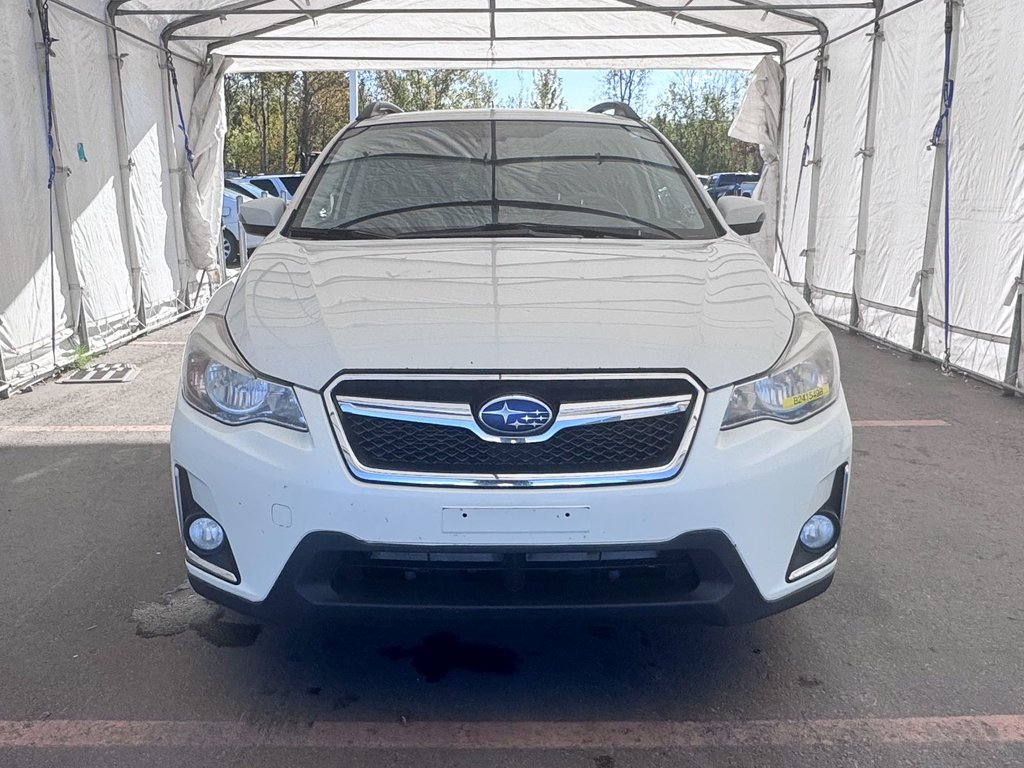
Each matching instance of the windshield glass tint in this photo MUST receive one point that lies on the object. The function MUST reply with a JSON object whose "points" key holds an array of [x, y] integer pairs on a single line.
{"points": [[489, 176]]}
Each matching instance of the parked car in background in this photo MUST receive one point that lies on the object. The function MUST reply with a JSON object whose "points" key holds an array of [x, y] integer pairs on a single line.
{"points": [[231, 225], [722, 184], [278, 185], [529, 380]]}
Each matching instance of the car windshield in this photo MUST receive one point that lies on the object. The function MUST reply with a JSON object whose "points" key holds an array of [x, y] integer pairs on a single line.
{"points": [[502, 178]]}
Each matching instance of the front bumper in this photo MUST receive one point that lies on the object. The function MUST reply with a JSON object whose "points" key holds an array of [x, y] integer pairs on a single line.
{"points": [[288, 504], [698, 575]]}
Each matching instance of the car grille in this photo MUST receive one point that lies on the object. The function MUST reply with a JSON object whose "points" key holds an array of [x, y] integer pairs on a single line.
{"points": [[479, 577], [408, 446], [630, 431]]}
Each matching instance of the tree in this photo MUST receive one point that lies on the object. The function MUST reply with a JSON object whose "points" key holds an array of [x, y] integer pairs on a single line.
{"points": [[274, 117], [695, 114], [433, 89], [628, 86], [523, 98], [547, 90]]}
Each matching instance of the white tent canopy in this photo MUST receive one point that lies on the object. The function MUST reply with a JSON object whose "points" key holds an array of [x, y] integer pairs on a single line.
{"points": [[847, 101]]}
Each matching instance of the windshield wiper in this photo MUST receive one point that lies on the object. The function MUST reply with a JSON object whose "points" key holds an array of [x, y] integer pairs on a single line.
{"points": [[348, 233], [535, 229], [498, 203]]}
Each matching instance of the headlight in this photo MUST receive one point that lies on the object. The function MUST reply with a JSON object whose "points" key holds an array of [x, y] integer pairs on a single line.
{"points": [[803, 382], [216, 381]]}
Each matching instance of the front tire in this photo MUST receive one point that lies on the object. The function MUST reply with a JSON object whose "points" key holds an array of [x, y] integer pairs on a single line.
{"points": [[229, 245]]}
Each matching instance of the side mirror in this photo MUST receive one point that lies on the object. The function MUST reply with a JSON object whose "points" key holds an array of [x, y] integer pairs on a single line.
{"points": [[743, 215], [261, 217]]}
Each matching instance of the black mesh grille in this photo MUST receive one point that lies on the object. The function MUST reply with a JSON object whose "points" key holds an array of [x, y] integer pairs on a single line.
{"points": [[617, 446]]}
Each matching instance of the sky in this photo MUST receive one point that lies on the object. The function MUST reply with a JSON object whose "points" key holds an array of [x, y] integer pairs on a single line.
{"points": [[582, 88]]}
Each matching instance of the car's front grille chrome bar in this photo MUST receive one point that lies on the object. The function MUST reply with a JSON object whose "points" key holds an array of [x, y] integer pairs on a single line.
{"points": [[461, 415]]}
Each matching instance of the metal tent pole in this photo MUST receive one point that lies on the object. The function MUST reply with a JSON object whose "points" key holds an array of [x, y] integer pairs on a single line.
{"points": [[1013, 375], [813, 194], [176, 166], [60, 179], [867, 152], [353, 95], [781, 146], [5, 387], [125, 165], [926, 276]]}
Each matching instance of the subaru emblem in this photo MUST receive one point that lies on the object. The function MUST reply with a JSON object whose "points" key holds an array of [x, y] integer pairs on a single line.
{"points": [[515, 415]]}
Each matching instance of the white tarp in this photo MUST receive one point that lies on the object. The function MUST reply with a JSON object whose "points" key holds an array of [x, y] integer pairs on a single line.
{"points": [[910, 78], [134, 225], [757, 122], [33, 302]]}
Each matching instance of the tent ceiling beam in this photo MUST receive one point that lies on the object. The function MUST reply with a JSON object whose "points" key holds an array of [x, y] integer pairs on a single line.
{"points": [[348, 5], [505, 38], [673, 15], [493, 60], [199, 18], [137, 38], [351, 6], [730, 6], [800, 18], [858, 28]]}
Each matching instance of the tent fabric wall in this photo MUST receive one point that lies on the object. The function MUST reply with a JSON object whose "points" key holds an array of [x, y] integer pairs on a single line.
{"points": [[94, 186], [910, 75], [137, 238], [794, 206], [33, 297], [148, 136], [848, 64], [987, 189]]}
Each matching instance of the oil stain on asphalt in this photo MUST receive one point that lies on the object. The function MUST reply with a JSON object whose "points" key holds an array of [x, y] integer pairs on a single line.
{"points": [[443, 652], [182, 610]]}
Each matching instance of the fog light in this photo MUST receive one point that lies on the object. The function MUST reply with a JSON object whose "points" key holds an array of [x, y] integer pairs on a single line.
{"points": [[818, 533], [205, 534]]}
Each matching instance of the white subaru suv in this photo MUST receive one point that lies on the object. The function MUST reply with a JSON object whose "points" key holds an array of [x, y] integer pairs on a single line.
{"points": [[509, 360]]}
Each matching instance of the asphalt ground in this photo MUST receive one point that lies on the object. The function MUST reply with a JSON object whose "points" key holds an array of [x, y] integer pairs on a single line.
{"points": [[912, 658]]}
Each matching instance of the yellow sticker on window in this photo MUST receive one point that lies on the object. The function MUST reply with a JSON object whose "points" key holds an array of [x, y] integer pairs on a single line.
{"points": [[806, 397]]}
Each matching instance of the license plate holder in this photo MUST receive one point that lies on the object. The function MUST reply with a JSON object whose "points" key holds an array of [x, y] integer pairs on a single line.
{"points": [[515, 519]]}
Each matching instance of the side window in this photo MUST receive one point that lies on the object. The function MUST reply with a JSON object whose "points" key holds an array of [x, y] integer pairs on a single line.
{"points": [[291, 183], [266, 185]]}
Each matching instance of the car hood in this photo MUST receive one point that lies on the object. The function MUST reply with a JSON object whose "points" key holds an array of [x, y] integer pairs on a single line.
{"points": [[303, 311]]}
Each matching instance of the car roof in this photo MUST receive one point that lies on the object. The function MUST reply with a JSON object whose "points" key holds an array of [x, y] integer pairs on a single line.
{"points": [[438, 115]]}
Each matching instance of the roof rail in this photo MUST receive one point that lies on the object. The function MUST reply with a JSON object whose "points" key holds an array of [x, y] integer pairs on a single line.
{"points": [[617, 108], [378, 108]]}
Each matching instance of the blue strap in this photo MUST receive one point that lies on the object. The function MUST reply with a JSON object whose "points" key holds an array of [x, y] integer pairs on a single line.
{"points": [[181, 114]]}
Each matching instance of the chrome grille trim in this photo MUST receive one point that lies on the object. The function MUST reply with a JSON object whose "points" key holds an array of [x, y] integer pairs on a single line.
{"points": [[461, 415], [457, 414]]}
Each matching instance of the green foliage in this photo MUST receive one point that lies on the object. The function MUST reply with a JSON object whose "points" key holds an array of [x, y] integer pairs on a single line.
{"points": [[695, 114], [433, 89], [628, 86], [274, 117], [82, 356], [547, 90]]}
